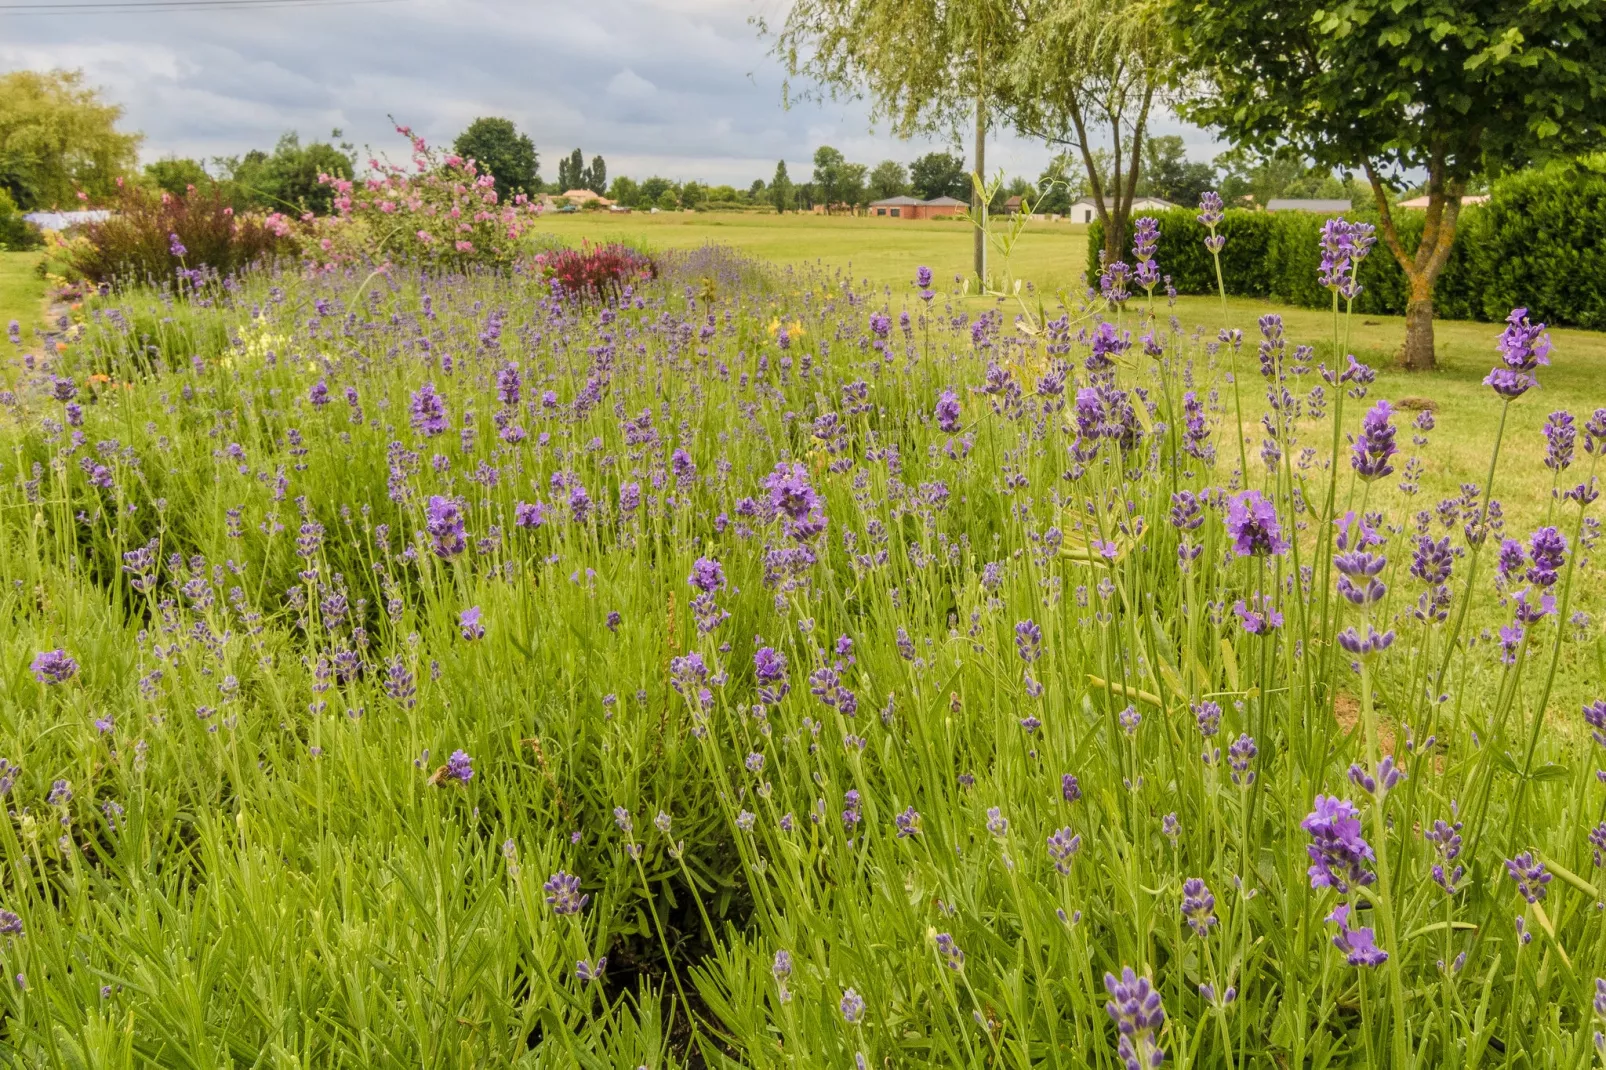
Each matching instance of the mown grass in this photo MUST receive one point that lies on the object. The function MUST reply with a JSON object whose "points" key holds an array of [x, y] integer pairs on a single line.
{"points": [[22, 291]]}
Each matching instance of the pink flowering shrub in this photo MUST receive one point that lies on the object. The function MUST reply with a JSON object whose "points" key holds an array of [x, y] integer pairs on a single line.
{"points": [[597, 272], [441, 212]]}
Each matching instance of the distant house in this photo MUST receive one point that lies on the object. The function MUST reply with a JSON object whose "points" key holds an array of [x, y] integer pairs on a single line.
{"points": [[1422, 202], [915, 208], [1307, 204], [1085, 211], [585, 196], [1013, 205]]}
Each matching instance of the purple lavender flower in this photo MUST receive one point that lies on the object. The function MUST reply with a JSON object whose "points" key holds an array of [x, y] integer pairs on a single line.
{"points": [[459, 767], [1560, 436], [1108, 345], [176, 247], [1198, 906], [948, 948], [563, 894], [1062, 848], [948, 413], [318, 394], [790, 491], [769, 666], [10, 924], [707, 575], [1029, 640], [429, 411], [1547, 550], [1359, 945], [443, 519], [54, 667], [1523, 347], [908, 823], [1595, 717], [529, 514], [1262, 619], [1595, 433], [1070, 789], [923, 277], [1239, 755], [1375, 446], [1136, 1009], [1530, 875], [852, 1007], [1210, 213], [469, 624], [1252, 524], [1337, 852]]}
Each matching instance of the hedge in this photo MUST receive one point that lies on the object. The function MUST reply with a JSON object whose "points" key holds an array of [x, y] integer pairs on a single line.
{"points": [[1539, 242]]}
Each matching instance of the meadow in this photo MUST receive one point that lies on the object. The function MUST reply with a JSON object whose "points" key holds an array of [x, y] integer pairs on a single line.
{"points": [[773, 664]]}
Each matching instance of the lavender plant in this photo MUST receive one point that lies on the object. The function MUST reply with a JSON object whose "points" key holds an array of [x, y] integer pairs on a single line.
{"points": [[752, 668]]}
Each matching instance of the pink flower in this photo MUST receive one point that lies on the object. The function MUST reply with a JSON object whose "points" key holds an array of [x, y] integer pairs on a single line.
{"points": [[425, 236], [465, 247]]}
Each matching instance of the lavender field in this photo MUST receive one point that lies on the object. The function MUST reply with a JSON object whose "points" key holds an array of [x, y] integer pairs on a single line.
{"points": [[724, 665]]}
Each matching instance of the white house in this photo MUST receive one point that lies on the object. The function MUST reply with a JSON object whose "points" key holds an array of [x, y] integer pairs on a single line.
{"points": [[1085, 211]]}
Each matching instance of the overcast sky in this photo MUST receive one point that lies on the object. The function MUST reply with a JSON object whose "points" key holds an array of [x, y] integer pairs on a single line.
{"points": [[682, 88]]}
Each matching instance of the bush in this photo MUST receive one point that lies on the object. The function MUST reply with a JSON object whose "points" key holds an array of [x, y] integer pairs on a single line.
{"points": [[16, 233], [1540, 243], [598, 272], [138, 242], [444, 213]]}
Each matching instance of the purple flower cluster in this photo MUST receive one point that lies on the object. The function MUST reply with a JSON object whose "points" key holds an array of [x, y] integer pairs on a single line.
{"points": [[1135, 1007], [1523, 347], [1338, 853]]}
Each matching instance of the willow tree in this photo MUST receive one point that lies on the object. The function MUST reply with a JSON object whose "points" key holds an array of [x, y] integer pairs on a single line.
{"points": [[1453, 89], [925, 66], [1085, 75]]}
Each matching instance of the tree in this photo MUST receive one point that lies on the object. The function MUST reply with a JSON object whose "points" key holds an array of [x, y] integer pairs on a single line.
{"points": [[497, 146], [572, 172], [57, 138], [851, 179], [1458, 90], [1170, 175], [654, 188], [781, 194], [287, 180], [828, 164], [939, 174], [692, 194], [756, 192], [596, 177], [889, 179], [175, 175], [1086, 75], [926, 68], [625, 191]]}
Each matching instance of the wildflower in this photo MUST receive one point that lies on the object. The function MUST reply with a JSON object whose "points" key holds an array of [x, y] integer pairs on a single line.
{"points": [[54, 667], [443, 519], [707, 575], [529, 514], [460, 767], [852, 1007], [469, 623], [585, 972], [1130, 718], [1136, 1009], [997, 824], [1375, 446], [563, 893], [952, 956], [1062, 847], [1337, 851], [1262, 620], [1547, 550], [1388, 775], [908, 823], [1252, 524], [428, 411], [1530, 875], [1028, 640], [948, 412], [1198, 906], [10, 924], [782, 970], [1560, 434], [1523, 347], [1070, 790], [1239, 755], [1360, 944], [1446, 841]]}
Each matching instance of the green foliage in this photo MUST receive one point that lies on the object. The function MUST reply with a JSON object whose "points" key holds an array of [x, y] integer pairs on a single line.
{"points": [[1460, 89], [889, 179], [1170, 175], [625, 190], [1540, 243], [16, 233], [137, 243], [939, 174], [782, 196], [175, 175], [596, 176], [288, 179], [59, 138], [498, 147]]}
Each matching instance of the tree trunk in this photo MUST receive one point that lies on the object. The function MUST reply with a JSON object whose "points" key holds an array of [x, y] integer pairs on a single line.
{"points": [[1423, 267], [1418, 355], [977, 208]]}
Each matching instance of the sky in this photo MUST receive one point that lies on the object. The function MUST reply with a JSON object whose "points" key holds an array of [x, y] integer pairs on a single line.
{"points": [[681, 88]]}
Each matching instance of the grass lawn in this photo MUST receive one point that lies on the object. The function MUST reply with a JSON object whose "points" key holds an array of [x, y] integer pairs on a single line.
{"points": [[1053, 255], [21, 291]]}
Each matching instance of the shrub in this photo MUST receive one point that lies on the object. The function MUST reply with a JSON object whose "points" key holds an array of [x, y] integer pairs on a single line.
{"points": [[1539, 242], [598, 272], [152, 235], [445, 213], [16, 233]]}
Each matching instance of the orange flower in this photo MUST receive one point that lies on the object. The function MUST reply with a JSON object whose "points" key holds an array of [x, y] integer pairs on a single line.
{"points": [[100, 378], [61, 347]]}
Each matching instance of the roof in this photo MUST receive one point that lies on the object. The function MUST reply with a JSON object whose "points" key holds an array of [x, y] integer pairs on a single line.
{"points": [[1306, 204], [1422, 202], [584, 195], [946, 202], [1147, 203], [895, 202]]}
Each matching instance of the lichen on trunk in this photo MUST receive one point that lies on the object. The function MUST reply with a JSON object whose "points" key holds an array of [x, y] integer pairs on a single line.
{"points": [[1423, 265]]}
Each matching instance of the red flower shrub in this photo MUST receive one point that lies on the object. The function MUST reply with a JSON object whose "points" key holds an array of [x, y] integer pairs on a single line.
{"points": [[598, 272]]}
